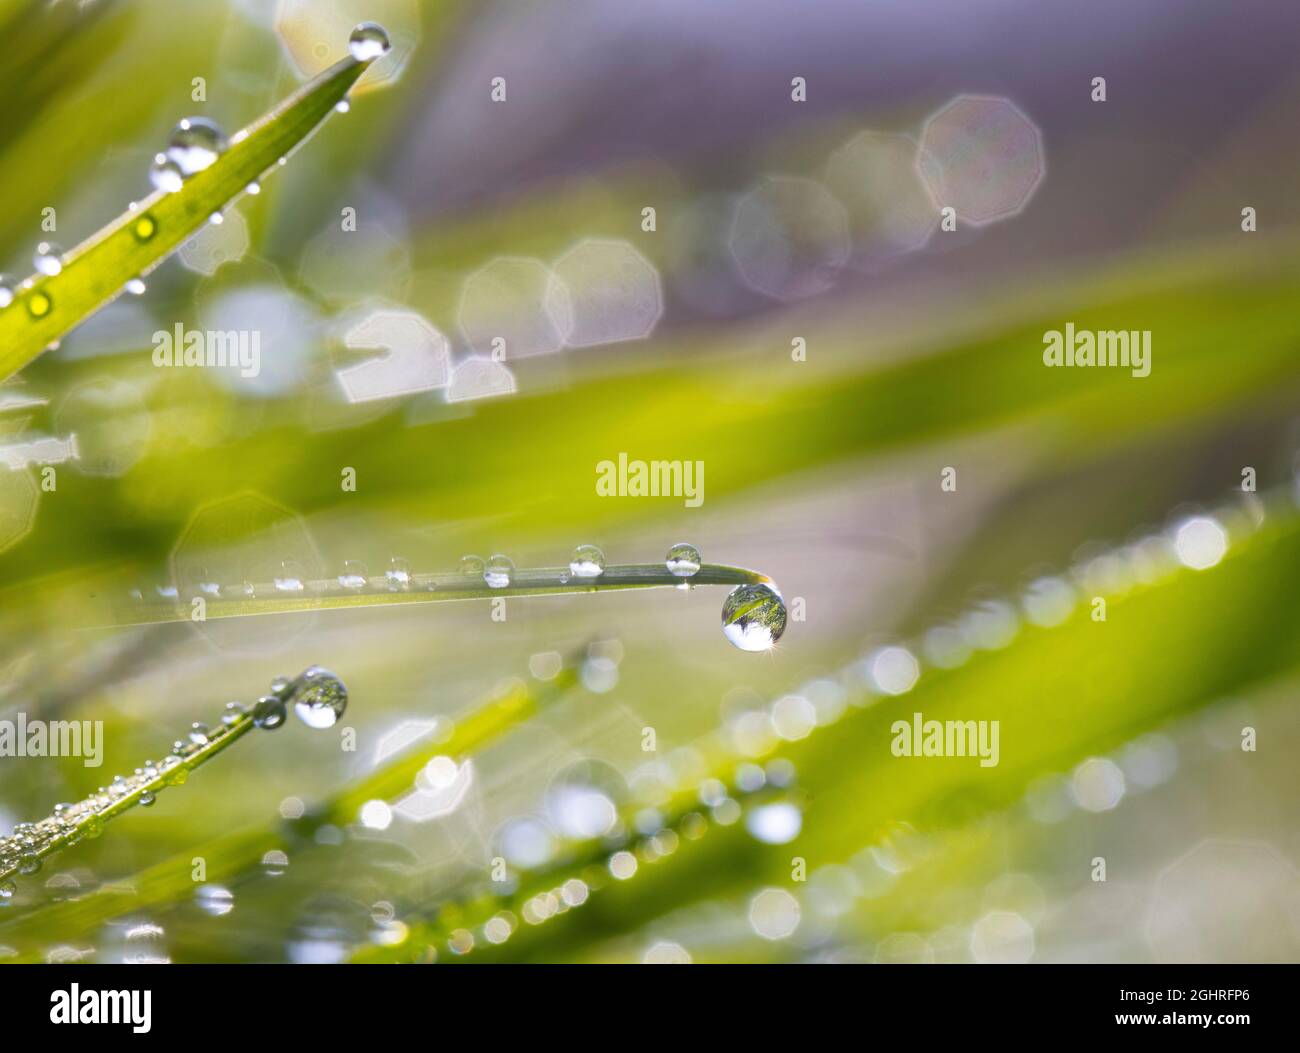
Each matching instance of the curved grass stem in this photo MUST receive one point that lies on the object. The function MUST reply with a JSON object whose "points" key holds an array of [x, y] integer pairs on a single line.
{"points": [[330, 594]]}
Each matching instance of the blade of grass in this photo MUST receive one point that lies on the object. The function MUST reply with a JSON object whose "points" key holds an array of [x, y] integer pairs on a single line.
{"points": [[94, 273], [329, 594], [235, 854]]}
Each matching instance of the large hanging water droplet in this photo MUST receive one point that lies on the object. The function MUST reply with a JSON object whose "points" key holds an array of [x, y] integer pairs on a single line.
{"points": [[498, 571], [47, 259], [683, 560], [753, 617], [165, 174], [319, 697], [195, 144], [587, 562], [368, 41]]}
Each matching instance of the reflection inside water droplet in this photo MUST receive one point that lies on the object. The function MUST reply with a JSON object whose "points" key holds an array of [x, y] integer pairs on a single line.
{"points": [[498, 571], [753, 617], [319, 697], [587, 562], [683, 560], [368, 42]]}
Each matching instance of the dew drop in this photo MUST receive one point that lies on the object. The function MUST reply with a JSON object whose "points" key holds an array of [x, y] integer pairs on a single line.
{"points": [[165, 174], [7, 889], [319, 697], [47, 259], [398, 574], [216, 219], [195, 144], [472, 566], [587, 562], [368, 41], [683, 560], [6, 290], [199, 734], [147, 799], [753, 617], [354, 575], [498, 571], [342, 106], [290, 577], [174, 772], [269, 713], [136, 287], [234, 711], [29, 864], [253, 188]]}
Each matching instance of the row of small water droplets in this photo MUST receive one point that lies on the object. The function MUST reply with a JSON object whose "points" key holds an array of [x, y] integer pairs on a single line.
{"points": [[753, 615], [318, 696], [195, 144]]}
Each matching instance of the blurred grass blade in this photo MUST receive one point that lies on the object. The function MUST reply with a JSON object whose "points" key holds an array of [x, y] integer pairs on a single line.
{"points": [[94, 273]]}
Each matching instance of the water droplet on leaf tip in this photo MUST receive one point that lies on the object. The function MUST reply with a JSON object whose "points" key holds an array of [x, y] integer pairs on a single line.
{"points": [[753, 617], [368, 42]]}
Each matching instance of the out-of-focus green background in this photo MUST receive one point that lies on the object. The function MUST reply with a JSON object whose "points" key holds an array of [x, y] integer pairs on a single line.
{"points": [[777, 224]]}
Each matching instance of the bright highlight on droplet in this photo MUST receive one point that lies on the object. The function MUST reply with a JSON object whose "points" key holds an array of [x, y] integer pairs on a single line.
{"points": [[775, 824], [1200, 542], [376, 815], [47, 259]]}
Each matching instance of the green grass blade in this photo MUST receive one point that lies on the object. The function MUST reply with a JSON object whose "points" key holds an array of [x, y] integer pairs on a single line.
{"points": [[94, 273], [329, 594], [234, 854]]}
